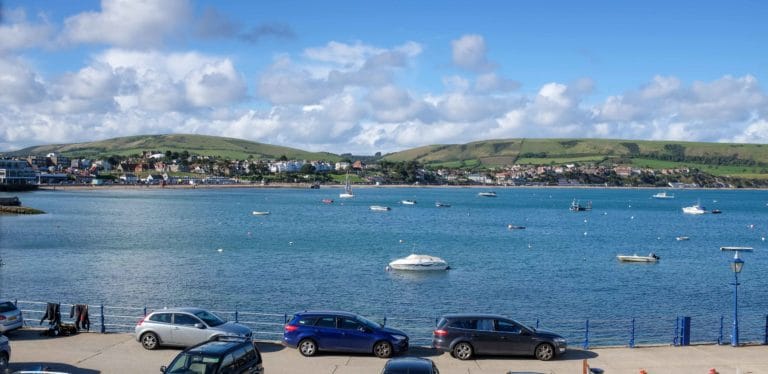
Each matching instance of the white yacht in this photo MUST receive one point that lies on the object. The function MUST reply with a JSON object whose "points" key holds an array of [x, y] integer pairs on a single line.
{"points": [[380, 208], [663, 195], [695, 209], [347, 194], [487, 194], [635, 258], [416, 262], [408, 202]]}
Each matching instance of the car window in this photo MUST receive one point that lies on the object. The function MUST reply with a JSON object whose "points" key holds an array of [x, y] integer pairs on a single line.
{"points": [[184, 319], [193, 364], [7, 307], [326, 322], [369, 323], [227, 361], [485, 325], [506, 326], [348, 324], [210, 319], [307, 321], [161, 317], [469, 324]]}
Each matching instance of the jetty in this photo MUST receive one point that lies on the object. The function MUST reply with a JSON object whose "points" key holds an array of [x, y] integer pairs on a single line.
{"points": [[12, 205]]}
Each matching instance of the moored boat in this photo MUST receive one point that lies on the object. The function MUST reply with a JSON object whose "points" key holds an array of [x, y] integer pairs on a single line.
{"points": [[681, 238], [380, 208], [347, 194], [695, 209], [416, 262], [663, 195], [327, 201], [577, 207], [487, 194], [514, 227], [408, 202], [442, 205], [652, 257], [260, 213]]}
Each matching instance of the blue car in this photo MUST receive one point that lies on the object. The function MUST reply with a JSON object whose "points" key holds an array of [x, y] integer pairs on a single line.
{"points": [[315, 331]]}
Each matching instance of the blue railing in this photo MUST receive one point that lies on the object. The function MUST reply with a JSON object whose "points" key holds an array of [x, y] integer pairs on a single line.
{"points": [[584, 333]]}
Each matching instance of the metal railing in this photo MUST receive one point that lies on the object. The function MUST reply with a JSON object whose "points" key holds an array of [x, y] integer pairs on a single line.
{"points": [[583, 333]]}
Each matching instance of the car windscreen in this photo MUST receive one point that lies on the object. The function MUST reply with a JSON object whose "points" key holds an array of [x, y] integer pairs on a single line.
{"points": [[209, 318], [368, 323], [193, 364], [7, 307]]}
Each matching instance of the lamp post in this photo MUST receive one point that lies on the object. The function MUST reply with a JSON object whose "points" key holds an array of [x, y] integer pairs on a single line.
{"points": [[736, 265]]}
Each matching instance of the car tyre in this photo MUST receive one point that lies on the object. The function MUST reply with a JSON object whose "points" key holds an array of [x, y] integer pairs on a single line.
{"points": [[462, 351], [149, 341], [545, 352], [307, 347], [382, 349], [3, 361]]}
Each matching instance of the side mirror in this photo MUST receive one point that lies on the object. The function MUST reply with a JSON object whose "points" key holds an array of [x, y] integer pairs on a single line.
{"points": [[199, 325], [163, 369], [363, 329]]}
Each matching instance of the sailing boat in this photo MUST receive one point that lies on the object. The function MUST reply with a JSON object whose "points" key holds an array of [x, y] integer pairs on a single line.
{"points": [[347, 194]]}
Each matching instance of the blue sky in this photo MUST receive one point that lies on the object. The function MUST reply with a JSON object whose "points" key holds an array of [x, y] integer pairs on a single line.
{"points": [[382, 76]]}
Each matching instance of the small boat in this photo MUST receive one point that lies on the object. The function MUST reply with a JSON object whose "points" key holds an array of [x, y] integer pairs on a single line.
{"points": [[327, 201], [663, 195], [487, 194], [315, 186], [347, 194], [695, 209], [652, 257], [258, 213], [408, 202], [380, 208], [716, 211], [513, 227], [681, 238], [442, 205], [416, 262], [577, 207]]}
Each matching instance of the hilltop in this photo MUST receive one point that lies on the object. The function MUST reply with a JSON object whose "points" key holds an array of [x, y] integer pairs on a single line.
{"points": [[202, 145]]}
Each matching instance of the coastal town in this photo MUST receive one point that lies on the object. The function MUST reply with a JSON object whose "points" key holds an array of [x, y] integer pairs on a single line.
{"points": [[174, 168]]}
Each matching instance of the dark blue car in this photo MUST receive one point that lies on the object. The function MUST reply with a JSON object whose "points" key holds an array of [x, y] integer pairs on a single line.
{"points": [[342, 331]]}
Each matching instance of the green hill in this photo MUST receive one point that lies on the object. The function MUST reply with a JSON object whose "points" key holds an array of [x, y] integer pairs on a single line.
{"points": [[202, 145]]}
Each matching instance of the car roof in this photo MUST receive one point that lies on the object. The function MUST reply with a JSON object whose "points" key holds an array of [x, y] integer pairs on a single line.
{"points": [[402, 363], [192, 310], [474, 315], [337, 313], [216, 348]]}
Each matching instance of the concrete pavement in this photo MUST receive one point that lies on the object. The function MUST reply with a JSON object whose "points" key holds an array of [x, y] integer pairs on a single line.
{"points": [[91, 353]]}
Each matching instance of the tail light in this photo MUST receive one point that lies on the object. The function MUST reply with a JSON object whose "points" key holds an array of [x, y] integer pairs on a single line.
{"points": [[140, 321], [291, 328], [440, 332], [2, 318]]}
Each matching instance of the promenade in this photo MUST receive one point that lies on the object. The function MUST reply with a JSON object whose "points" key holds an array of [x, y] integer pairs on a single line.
{"points": [[91, 353]]}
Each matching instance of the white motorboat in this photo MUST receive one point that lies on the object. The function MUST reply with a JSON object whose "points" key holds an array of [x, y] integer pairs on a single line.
{"points": [[442, 205], [652, 257], [663, 195], [347, 194], [487, 194], [416, 262], [260, 213], [380, 208], [681, 238], [408, 202], [695, 209]]}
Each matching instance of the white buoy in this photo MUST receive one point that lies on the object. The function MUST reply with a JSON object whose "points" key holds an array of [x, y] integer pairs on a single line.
{"points": [[290, 243], [220, 250]]}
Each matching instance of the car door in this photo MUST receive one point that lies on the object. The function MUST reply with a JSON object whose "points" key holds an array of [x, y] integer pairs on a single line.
{"points": [[161, 324], [354, 336], [513, 339], [484, 338], [184, 331], [326, 333]]}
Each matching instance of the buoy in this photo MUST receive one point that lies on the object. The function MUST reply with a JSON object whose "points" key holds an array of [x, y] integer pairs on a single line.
{"points": [[401, 240], [220, 250], [290, 243]]}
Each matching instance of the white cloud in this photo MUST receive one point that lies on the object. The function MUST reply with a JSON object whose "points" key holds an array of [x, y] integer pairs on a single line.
{"points": [[129, 23], [16, 32], [469, 53], [19, 84]]}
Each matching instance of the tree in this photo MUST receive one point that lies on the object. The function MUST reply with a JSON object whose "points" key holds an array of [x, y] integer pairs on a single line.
{"points": [[283, 158], [307, 169]]}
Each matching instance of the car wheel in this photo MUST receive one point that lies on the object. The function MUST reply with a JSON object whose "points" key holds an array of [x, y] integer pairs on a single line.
{"points": [[149, 341], [462, 351], [545, 352], [382, 349], [3, 361], [307, 347]]}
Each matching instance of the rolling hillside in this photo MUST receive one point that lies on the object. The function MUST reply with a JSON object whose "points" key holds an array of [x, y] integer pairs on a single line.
{"points": [[195, 144]]}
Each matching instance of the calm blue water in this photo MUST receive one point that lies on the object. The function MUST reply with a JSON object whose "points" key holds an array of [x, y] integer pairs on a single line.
{"points": [[159, 248]]}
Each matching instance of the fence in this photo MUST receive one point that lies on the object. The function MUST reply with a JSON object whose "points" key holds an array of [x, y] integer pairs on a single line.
{"points": [[584, 333]]}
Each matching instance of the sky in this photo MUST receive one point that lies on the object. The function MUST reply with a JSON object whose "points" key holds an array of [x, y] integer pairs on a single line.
{"points": [[383, 76]]}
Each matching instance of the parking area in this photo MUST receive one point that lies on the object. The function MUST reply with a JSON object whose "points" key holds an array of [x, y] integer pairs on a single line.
{"points": [[90, 353]]}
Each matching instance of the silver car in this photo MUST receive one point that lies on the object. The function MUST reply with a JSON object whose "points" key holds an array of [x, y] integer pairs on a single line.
{"points": [[185, 327], [10, 316]]}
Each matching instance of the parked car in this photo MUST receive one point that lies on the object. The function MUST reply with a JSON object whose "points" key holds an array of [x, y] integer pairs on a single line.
{"points": [[465, 335], [311, 332], [10, 316], [185, 327], [224, 355], [410, 365], [5, 353]]}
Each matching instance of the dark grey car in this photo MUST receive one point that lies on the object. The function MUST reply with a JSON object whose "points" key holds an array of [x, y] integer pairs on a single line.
{"points": [[184, 327], [465, 335]]}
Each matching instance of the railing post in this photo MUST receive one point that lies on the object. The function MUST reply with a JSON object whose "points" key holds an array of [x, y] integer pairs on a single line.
{"points": [[586, 335], [285, 318], [677, 331], [385, 321], [145, 310], [537, 323], [236, 315], [720, 337], [16, 302], [103, 328], [765, 337], [632, 335]]}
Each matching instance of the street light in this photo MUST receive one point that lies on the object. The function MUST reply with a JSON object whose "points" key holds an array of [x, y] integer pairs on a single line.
{"points": [[736, 265]]}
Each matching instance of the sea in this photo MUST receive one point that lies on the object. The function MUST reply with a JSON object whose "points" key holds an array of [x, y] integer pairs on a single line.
{"points": [[204, 247]]}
